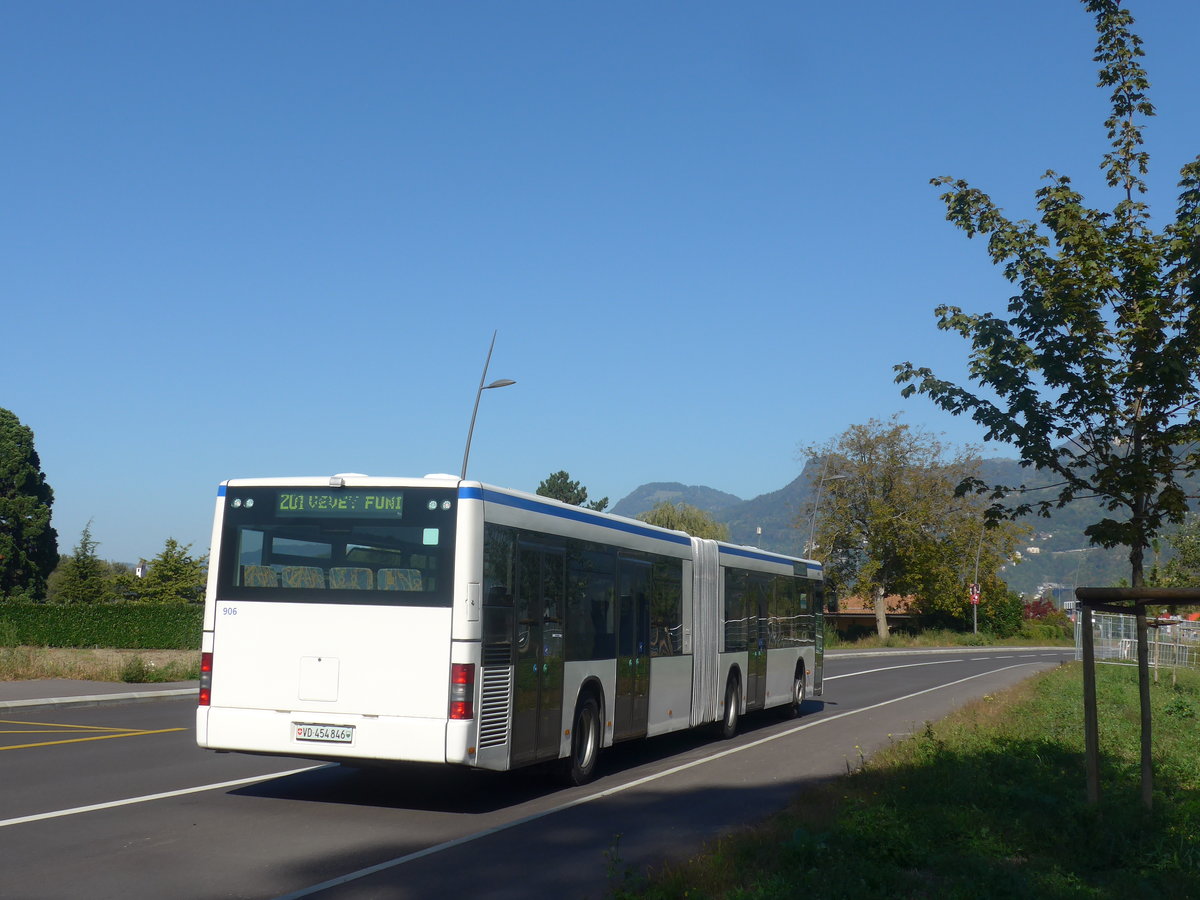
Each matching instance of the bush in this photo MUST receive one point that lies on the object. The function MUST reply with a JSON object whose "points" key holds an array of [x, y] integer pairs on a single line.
{"points": [[1048, 630], [1002, 615], [1045, 622], [138, 626], [135, 671]]}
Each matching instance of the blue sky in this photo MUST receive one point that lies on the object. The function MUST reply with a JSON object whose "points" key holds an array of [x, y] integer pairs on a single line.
{"points": [[275, 238]]}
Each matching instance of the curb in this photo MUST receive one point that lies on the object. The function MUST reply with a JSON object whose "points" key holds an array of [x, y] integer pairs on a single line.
{"points": [[95, 699]]}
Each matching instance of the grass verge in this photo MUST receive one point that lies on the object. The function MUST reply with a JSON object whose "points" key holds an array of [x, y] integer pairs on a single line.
{"points": [[130, 666], [943, 637], [987, 803]]}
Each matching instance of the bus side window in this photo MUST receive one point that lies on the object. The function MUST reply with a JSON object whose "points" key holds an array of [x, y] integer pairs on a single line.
{"points": [[498, 595]]}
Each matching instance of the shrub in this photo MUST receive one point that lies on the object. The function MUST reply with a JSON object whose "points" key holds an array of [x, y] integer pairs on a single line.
{"points": [[135, 671], [1001, 614], [1045, 622]]}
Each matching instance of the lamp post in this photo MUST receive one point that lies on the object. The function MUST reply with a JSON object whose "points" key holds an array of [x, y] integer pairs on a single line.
{"points": [[975, 589], [499, 383], [812, 525], [975, 584]]}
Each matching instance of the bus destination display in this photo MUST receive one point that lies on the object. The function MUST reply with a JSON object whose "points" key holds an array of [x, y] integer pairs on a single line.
{"points": [[369, 504]]}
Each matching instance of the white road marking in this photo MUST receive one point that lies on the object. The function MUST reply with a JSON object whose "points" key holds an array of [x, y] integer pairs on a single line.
{"points": [[940, 662], [112, 804], [466, 839]]}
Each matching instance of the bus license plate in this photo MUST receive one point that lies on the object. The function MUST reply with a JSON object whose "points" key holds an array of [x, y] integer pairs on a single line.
{"points": [[327, 734]]}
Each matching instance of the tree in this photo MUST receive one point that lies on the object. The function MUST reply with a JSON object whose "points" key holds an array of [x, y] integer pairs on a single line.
{"points": [[1183, 568], [28, 543], [559, 486], [891, 522], [1095, 375], [81, 577], [174, 575], [940, 567], [685, 517]]}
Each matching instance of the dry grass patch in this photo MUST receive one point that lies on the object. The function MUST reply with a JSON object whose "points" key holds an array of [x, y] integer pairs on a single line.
{"points": [[28, 663]]}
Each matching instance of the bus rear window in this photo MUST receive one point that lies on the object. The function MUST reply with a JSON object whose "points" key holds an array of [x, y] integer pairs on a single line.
{"points": [[339, 546]]}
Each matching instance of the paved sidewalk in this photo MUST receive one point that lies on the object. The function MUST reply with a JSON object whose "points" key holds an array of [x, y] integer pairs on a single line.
{"points": [[64, 692]]}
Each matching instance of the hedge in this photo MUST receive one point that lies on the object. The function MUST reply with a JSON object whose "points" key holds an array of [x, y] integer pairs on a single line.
{"points": [[132, 626]]}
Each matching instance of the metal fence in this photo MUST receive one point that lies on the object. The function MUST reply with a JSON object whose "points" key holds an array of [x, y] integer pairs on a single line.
{"points": [[1172, 643]]}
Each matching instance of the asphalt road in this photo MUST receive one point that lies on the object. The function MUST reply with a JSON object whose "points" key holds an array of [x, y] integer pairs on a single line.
{"points": [[118, 802]]}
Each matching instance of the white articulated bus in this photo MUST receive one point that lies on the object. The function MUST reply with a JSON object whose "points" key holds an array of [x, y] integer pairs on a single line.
{"points": [[438, 620]]}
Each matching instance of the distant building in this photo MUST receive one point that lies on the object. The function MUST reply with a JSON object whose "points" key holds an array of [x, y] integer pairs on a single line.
{"points": [[1058, 594], [141, 568]]}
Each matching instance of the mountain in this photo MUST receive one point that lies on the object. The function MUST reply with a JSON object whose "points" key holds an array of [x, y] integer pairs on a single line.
{"points": [[648, 496], [1056, 551], [775, 513], [770, 520]]}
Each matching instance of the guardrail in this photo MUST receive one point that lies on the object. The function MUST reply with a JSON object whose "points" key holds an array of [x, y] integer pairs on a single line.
{"points": [[1171, 643], [1120, 603]]}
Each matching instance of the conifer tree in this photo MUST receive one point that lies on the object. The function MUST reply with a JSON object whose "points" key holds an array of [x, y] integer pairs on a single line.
{"points": [[559, 486], [28, 542], [174, 575], [82, 577]]}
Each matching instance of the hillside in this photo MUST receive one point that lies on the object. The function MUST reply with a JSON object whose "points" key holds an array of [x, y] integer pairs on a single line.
{"points": [[1056, 550], [651, 495], [775, 512]]}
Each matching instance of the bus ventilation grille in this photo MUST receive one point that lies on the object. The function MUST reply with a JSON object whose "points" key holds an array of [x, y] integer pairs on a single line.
{"points": [[495, 706]]}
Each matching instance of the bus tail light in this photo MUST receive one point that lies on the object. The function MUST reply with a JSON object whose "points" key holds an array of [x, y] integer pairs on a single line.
{"points": [[462, 690], [206, 664]]}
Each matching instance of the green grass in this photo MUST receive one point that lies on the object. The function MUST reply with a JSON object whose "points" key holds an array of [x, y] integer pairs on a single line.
{"points": [[1031, 635], [987, 803]]}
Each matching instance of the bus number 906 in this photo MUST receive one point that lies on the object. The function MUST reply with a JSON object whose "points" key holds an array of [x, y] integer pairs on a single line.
{"points": [[229, 610]]}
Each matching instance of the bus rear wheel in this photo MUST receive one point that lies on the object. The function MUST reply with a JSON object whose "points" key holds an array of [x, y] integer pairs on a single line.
{"points": [[799, 691], [729, 723], [580, 766]]}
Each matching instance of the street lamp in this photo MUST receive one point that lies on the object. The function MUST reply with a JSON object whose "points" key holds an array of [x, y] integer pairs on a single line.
{"points": [[499, 383], [974, 592], [812, 525]]}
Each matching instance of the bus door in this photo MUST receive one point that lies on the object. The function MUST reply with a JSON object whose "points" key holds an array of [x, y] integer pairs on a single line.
{"points": [[631, 706], [756, 641], [538, 675]]}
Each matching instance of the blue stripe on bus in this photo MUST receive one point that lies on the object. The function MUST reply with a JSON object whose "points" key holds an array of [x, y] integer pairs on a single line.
{"points": [[220, 490], [571, 514], [765, 556]]}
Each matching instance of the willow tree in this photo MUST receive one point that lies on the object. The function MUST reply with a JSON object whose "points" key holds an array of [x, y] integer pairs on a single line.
{"points": [[1093, 375], [685, 517]]}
